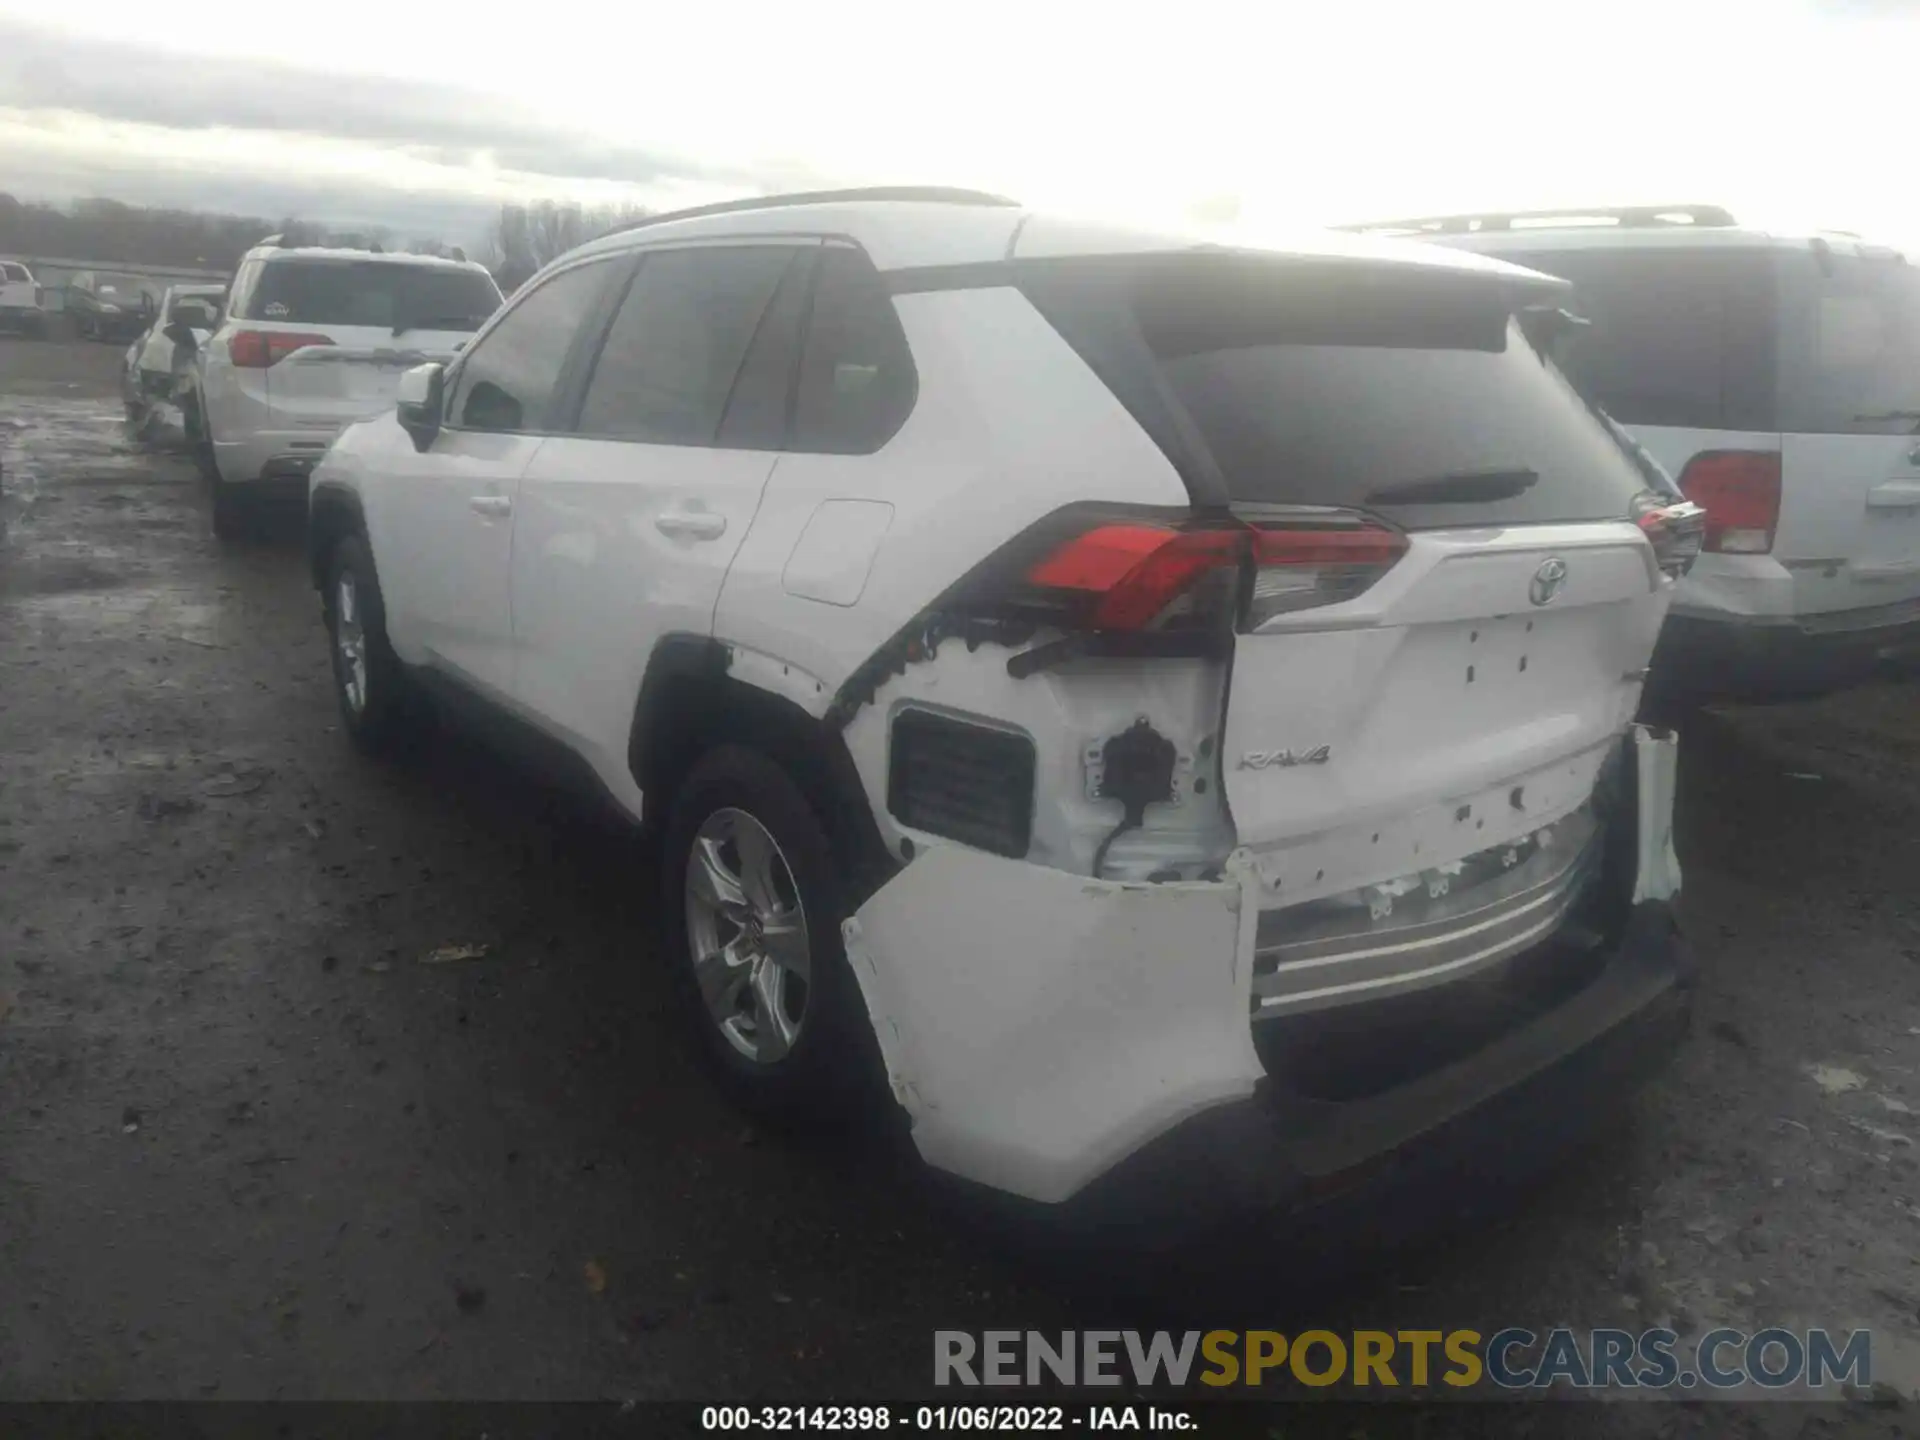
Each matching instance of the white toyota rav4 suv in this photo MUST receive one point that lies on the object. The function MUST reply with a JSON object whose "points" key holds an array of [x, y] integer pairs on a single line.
{"points": [[1778, 378], [1174, 703], [312, 340]]}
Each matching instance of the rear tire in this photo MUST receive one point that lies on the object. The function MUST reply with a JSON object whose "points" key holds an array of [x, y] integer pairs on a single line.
{"points": [[752, 899], [377, 700]]}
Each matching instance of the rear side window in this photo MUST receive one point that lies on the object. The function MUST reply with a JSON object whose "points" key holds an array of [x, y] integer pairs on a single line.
{"points": [[671, 357], [1674, 338], [1411, 395], [857, 381], [388, 295], [508, 379], [1850, 344], [240, 293]]}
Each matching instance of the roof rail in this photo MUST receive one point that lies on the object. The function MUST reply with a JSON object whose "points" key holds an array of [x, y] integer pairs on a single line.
{"points": [[274, 239], [1601, 216], [930, 194]]}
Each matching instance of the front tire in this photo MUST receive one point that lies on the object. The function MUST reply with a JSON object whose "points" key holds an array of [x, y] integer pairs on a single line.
{"points": [[753, 898], [376, 699]]}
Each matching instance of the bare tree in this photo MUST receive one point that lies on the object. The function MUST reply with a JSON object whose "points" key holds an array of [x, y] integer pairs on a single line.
{"points": [[109, 232], [526, 237]]}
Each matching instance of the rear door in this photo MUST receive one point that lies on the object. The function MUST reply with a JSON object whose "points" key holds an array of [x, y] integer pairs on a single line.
{"points": [[341, 331], [629, 522], [1850, 407], [1444, 671]]}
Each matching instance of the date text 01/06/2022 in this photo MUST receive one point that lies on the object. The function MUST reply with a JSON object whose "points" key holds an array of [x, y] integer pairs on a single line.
{"points": [[857, 1418]]}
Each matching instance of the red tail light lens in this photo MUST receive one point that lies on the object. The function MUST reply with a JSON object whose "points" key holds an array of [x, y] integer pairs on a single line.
{"points": [[257, 349], [1128, 576], [1740, 491], [1142, 575]]}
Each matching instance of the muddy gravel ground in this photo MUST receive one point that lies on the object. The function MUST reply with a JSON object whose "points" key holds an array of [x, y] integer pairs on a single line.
{"points": [[253, 1146]]}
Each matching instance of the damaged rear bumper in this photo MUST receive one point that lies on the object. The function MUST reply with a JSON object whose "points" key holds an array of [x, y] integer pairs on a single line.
{"points": [[1089, 1045]]}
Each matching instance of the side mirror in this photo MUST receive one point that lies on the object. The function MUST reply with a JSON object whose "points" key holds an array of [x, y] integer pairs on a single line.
{"points": [[419, 402]]}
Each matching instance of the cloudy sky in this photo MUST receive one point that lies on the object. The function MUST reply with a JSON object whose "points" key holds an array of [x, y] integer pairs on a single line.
{"points": [[424, 115]]}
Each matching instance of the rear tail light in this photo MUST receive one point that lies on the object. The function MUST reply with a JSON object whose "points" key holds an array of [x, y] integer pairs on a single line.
{"points": [[257, 349], [1082, 572], [1675, 528], [1128, 577], [1298, 567], [1740, 491]]}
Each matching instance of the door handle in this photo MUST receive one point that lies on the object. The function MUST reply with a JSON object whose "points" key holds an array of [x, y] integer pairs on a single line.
{"points": [[494, 507], [691, 524]]}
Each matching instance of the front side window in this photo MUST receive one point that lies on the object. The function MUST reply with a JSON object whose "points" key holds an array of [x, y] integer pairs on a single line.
{"points": [[508, 380], [674, 351]]}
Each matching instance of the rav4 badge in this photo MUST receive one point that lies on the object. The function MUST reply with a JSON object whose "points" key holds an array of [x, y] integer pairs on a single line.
{"points": [[1284, 759]]}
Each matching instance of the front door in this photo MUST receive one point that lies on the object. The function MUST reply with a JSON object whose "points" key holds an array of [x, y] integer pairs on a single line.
{"points": [[454, 503]]}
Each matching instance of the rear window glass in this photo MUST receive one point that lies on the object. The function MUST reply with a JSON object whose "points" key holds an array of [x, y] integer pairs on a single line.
{"points": [[385, 294], [1850, 344], [1409, 395], [15, 272], [857, 381], [211, 301], [1674, 338]]}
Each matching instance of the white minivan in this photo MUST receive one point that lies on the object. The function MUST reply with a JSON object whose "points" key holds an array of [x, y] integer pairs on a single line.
{"points": [[314, 339], [1777, 376]]}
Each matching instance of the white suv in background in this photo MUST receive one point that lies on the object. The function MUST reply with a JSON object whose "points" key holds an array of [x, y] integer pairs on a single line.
{"points": [[312, 340], [1174, 702], [1778, 378]]}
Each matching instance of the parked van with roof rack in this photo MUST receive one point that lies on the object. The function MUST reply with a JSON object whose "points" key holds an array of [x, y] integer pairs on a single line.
{"points": [[1777, 377]]}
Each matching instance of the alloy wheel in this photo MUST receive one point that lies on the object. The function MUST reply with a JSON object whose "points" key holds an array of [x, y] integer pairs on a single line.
{"points": [[747, 931]]}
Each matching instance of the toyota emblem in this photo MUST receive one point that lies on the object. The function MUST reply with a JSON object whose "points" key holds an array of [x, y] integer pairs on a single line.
{"points": [[1548, 581]]}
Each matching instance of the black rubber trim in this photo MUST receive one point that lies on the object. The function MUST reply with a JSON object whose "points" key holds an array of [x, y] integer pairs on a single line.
{"points": [[676, 657], [815, 753], [974, 275], [329, 495], [954, 612]]}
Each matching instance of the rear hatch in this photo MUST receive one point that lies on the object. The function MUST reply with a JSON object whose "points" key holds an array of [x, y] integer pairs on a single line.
{"points": [[1850, 413], [336, 334], [1451, 607]]}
